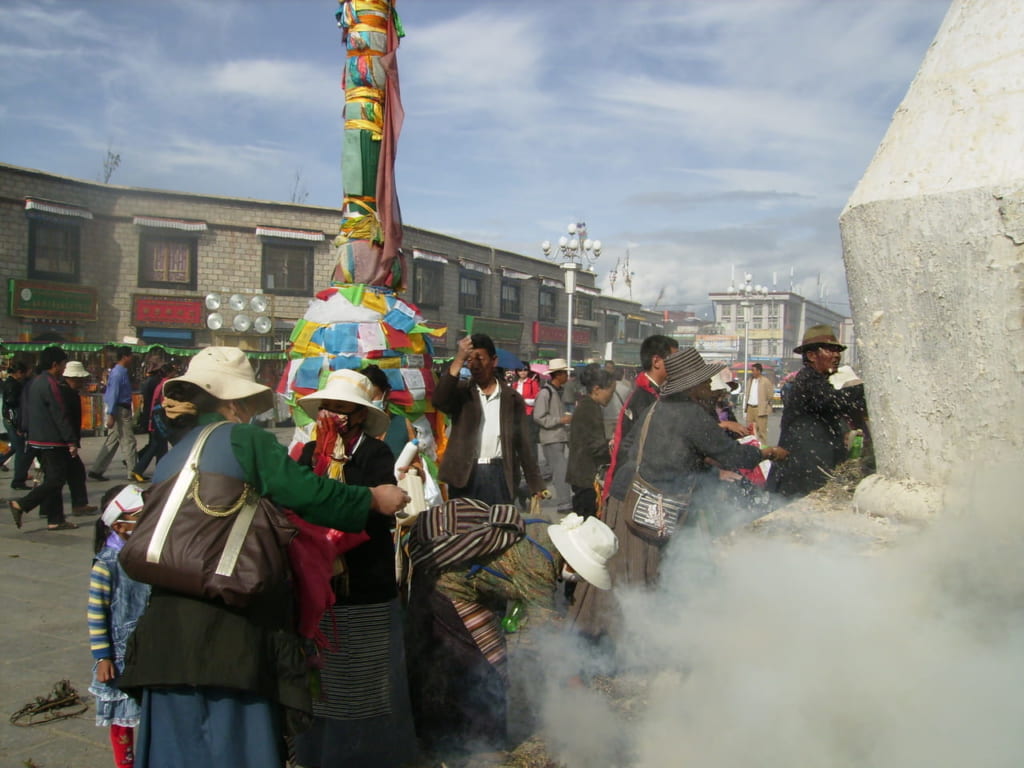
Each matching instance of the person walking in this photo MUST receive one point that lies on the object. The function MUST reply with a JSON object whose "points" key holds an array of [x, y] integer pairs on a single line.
{"points": [[52, 437], [152, 395], [74, 377], [13, 389], [551, 415], [759, 402], [117, 402]]}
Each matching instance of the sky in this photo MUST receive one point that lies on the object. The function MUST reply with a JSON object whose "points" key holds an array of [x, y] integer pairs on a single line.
{"points": [[703, 138]]}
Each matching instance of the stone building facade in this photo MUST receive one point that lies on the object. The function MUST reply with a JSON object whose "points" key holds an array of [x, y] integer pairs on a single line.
{"points": [[93, 263]]}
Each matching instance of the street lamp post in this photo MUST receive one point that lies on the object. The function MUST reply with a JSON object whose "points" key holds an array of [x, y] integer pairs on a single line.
{"points": [[747, 291], [572, 251]]}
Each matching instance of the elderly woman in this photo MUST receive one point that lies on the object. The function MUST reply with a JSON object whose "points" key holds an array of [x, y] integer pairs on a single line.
{"points": [[457, 648], [683, 448], [360, 719], [219, 684]]}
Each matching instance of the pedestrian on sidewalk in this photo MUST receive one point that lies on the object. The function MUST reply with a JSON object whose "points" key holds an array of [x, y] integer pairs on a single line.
{"points": [[551, 414], [13, 389], [152, 396], [116, 601], [51, 436], [117, 403], [74, 378]]}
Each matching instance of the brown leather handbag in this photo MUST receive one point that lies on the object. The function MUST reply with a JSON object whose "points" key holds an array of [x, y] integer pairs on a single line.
{"points": [[651, 514], [209, 535]]}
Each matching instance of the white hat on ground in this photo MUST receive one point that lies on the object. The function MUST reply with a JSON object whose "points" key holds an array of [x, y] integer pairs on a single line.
{"points": [[587, 544]]}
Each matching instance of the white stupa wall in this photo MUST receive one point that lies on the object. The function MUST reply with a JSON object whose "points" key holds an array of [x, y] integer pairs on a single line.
{"points": [[933, 240]]}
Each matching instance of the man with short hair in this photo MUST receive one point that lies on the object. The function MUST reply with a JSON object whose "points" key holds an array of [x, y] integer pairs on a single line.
{"points": [[653, 351], [550, 415], [51, 435], [117, 402], [759, 402], [490, 439]]}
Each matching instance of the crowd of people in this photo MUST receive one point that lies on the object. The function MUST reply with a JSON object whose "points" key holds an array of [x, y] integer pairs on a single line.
{"points": [[389, 668]]}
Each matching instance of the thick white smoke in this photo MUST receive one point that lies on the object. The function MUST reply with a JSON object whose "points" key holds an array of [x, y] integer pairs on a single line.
{"points": [[788, 655]]}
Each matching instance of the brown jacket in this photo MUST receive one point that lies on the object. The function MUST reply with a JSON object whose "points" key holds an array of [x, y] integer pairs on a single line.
{"points": [[764, 394], [461, 402]]}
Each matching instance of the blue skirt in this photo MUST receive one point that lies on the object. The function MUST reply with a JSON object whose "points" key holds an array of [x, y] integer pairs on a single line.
{"points": [[187, 727]]}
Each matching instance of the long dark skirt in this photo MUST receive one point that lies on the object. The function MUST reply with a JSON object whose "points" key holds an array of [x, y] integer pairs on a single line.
{"points": [[364, 717], [595, 612], [459, 698], [186, 726]]}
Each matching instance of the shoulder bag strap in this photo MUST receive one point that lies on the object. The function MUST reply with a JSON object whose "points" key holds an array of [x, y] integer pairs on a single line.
{"points": [[643, 435], [177, 494]]}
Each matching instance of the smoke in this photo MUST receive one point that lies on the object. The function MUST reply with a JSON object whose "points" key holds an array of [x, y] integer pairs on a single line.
{"points": [[780, 654]]}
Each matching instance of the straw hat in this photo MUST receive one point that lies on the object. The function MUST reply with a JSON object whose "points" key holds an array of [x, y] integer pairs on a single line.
{"points": [[587, 544], [127, 501], [557, 364], [225, 373], [75, 370], [349, 387], [718, 385], [686, 369], [819, 336]]}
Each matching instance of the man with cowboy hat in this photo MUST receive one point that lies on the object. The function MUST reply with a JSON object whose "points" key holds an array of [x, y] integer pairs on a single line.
{"points": [[816, 416]]}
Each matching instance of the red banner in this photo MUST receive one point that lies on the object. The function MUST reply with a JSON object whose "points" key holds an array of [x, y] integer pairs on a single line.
{"points": [[555, 334], [168, 312]]}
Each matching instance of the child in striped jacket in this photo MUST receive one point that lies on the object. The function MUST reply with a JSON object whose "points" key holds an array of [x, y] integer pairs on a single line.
{"points": [[115, 604]]}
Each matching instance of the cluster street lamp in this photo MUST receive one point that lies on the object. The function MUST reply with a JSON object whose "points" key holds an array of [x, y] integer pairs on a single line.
{"points": [[747, 291], [572, 250]]}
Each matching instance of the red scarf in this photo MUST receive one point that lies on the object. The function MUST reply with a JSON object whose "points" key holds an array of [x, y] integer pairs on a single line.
{"points": [[643, 382]]}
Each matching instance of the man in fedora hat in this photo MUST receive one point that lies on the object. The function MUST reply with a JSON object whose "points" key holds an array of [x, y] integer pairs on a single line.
{"points": [[551, 416], [816, 416], [490, 435]]}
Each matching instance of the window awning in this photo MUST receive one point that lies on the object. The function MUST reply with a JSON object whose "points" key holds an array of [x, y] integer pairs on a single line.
{"points": [[475, 266], [425, 256], [587, 291], [60, 209], [185, 225], [635, 317], [290, 234], [512, 274], [547, 282]]}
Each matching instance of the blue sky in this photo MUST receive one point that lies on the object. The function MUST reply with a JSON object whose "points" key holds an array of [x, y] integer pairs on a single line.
{"points": [[702, 135]]}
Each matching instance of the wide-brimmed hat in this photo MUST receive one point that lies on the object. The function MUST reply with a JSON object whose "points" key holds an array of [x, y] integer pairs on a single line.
{"points": [[719, 385], [349, 387], [819, 336], [128, 500], [587, 544], [225, 373], [686, 369], [75, 370], [557, 364]]}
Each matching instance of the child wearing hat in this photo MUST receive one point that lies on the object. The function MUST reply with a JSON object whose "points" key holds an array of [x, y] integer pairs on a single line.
{"points": [[115, 603]]}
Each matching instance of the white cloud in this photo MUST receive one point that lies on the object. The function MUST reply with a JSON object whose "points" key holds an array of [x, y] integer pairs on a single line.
{"points": [[266, 80]]}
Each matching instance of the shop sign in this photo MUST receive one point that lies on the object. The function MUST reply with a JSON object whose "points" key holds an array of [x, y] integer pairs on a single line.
{"points": [[498, 330], [721, 344], [555, 334], [51, 301], [168, 311]]}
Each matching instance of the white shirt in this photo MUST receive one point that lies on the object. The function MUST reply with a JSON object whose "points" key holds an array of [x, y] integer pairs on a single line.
{"points": [[753, 394], [490, 424]]}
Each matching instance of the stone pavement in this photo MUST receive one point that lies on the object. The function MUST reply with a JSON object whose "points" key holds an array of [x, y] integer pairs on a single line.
{"points": [[44, 581]]}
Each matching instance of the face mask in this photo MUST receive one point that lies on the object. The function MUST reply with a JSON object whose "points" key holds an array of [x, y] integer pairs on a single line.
{"points": [[568, 575], [339, 420], [379, 404]]}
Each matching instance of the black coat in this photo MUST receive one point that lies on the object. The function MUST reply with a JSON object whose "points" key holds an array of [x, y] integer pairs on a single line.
{"points": [[815, 419], [588, 446], [371, 565]]}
